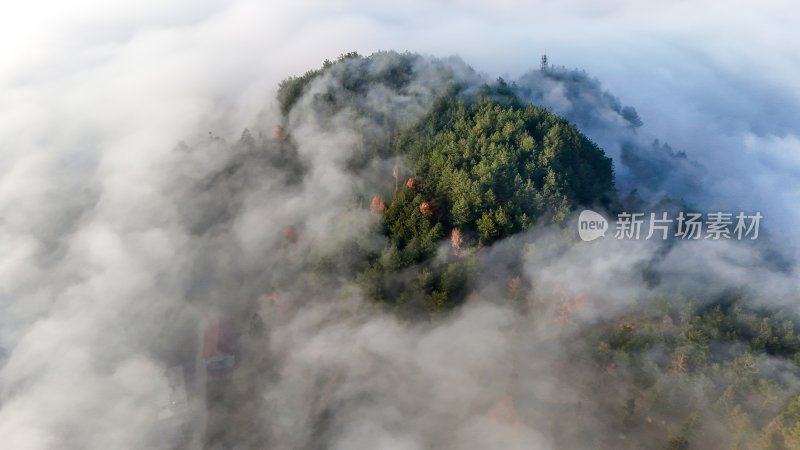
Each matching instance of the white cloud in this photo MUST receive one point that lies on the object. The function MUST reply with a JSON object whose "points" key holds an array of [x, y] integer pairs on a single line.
{"points": [[94, 96]]}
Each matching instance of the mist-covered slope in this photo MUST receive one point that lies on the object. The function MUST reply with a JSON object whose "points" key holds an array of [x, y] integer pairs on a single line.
{"points": [[442, 202], [393, 242]]}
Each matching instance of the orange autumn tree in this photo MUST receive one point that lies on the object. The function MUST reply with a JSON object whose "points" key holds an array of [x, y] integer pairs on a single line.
{"points": [[377, 205], [456, 240], [425, 209], [290, 234], [279, 133]]}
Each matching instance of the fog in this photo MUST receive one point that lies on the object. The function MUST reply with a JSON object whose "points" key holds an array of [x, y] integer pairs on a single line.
{"points": [[131, 210]]}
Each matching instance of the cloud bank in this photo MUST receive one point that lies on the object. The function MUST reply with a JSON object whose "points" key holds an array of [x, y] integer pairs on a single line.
{"points": [[115, 243]]}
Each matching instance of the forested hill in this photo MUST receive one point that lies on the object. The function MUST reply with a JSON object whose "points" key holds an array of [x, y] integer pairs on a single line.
{"points": [[478, 166], [416, 185]]}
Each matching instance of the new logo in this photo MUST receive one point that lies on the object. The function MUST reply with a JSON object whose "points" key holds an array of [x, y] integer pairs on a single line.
{"points": [[591, 225]]}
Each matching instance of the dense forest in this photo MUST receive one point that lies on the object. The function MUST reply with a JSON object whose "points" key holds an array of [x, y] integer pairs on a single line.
{"points": [[479, 166]]}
